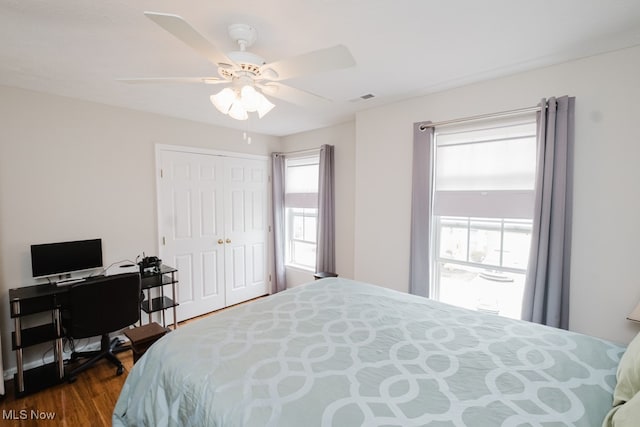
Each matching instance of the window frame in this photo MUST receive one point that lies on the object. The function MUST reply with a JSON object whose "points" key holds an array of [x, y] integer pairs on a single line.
{"points": [[508, 217], [290, 215], [307, 203], [469, 221]]}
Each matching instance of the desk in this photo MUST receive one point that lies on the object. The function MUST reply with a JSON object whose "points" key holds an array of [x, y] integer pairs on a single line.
{"points": [[50, 298], [28, 301]]}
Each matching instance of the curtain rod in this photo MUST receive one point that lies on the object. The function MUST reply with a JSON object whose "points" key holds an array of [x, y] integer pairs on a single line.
{"points": [[309, 150], [426, 126]]}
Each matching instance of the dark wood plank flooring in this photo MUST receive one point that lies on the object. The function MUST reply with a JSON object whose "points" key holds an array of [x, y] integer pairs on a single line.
{"points": [[89, 401]]}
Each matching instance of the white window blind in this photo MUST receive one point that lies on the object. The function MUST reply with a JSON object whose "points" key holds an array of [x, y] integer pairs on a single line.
{"points": [[301, 182], [487, 173]]}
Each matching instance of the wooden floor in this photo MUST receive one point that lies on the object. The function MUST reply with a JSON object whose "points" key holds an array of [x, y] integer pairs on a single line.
{"points": [[89, 401]]}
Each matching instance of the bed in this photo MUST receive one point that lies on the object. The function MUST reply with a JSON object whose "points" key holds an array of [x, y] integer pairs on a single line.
{"points": [[337, 352]]}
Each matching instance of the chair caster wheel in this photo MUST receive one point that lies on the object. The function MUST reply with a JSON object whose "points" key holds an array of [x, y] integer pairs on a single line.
{"points": [[120, 370]]}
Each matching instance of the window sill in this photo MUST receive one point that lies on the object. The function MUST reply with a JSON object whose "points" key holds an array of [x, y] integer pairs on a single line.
{"points": [[299, 268]]}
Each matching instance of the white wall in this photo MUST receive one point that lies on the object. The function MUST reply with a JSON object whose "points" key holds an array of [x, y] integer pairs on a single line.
{"points": [[605, 284], [71, 169], [342, 137], [47, 142]]}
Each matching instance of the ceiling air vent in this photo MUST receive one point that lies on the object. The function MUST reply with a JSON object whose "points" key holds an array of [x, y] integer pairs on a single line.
{"points": [[360, 98]]}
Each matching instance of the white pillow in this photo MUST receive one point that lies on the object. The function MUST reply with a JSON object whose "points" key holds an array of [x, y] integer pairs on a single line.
{"points": [[628, 373], [626, 395], [625, 415]]}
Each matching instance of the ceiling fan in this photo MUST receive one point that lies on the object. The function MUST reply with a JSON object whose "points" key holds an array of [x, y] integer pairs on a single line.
{"points": [[247, 75]]}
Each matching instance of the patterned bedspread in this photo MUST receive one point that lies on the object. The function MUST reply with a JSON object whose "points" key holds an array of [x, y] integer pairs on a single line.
{"points": [[341, 353]]}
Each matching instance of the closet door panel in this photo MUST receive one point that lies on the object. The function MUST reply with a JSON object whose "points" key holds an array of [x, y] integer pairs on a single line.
{"points": [[191, 227], [246, 189]]}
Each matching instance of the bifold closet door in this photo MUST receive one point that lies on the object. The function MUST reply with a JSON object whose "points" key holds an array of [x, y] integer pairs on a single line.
{"points": [[213, 228], [245, 206], [191, 223]]}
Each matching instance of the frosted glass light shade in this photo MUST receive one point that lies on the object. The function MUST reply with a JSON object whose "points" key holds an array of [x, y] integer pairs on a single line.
{"points": [[223, 100], [237, 111], [250, 98], [236, 105], [264, 105]]}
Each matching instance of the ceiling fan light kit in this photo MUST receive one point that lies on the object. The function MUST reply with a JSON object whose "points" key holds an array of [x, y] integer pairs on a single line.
{"points": [[247, 72], [237, 103]]}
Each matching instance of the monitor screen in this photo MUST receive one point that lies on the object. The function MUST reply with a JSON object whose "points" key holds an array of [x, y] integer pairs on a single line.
{"points": [[65, 257]]}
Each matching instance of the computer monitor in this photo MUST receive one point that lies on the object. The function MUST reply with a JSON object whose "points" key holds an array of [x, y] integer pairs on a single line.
{"points": [[65, 257]]}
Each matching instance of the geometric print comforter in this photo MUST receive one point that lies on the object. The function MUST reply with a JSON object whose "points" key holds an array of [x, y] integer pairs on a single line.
{"points": [[336, 352]]}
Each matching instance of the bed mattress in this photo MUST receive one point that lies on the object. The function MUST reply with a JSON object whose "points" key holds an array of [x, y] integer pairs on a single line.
{"points": [[337, 352]]}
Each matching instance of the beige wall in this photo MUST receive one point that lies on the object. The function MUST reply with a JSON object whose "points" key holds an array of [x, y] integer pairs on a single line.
{"points": [[342, 137], [605, 282], [72, 170]]}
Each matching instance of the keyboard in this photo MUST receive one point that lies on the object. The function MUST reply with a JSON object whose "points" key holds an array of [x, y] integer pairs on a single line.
{"points": [[69, 282]]}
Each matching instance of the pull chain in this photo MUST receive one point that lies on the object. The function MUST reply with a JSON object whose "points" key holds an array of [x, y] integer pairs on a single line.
{"points": [[245, 135]]}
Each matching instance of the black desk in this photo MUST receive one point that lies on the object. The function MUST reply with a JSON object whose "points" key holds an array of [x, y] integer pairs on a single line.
{"points": [[28, 301], [50, 298]]}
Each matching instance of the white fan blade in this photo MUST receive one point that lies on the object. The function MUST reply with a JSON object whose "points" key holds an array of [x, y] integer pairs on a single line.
{"points": [[182, 30], [293, 95], [207, 80], [318, 61]]}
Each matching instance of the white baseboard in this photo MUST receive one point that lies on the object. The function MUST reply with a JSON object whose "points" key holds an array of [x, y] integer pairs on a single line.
{"points": [[92, 345]]}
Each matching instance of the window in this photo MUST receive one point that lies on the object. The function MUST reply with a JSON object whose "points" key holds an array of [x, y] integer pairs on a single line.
{"points": [[483, 209], [301, 211]]}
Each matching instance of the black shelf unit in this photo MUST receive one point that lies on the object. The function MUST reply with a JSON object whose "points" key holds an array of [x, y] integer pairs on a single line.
{"points": [[34, 335], [38, 378], [29, 301], [154, 282], [157, 304]]}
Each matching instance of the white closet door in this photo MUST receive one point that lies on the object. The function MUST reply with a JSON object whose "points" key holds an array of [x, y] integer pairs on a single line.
{"points": [[245, 229], [192, 229]]}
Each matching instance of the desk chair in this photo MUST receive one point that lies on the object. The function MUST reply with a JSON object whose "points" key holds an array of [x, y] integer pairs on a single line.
{"points": [[97, 307]]}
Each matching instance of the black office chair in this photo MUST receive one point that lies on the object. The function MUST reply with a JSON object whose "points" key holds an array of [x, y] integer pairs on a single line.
{"points": [[97, 307]]}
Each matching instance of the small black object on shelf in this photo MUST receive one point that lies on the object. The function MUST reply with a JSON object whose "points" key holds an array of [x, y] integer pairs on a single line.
{"points": [[324, 275], [150, 264]]}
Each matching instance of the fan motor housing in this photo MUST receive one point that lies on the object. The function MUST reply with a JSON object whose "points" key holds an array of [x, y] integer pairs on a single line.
{"points": [[245, 68], [249, 63]]}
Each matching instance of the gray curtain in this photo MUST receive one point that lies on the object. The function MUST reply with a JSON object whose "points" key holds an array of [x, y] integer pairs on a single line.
{"points": [[421, 206], [546, 291], [277, 163], [326, 252]]}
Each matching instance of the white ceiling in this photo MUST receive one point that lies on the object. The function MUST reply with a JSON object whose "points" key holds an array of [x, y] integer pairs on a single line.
{"points": [[403, 48]]}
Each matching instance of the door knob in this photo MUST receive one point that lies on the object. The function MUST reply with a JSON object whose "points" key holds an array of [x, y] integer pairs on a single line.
{"points": [[220, 241], [228, 240]]}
